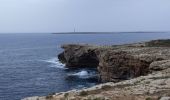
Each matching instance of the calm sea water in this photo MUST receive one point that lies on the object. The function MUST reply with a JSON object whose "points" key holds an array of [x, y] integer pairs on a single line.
{"points": [[29, 64]]}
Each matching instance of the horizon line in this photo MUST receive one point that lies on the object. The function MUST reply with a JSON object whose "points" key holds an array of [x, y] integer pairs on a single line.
{"points": [[85, 32]]}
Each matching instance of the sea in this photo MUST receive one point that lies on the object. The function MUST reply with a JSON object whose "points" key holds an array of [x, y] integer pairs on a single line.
{"points": [[29, 65]]}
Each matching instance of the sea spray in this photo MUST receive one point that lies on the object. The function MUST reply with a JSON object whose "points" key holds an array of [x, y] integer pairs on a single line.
{"points": [[84, 74], [54, 62]]}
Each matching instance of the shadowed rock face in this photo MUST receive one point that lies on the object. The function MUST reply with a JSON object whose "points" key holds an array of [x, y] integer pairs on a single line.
{"points": [[119, 65], [78, 56], [116, 63]]}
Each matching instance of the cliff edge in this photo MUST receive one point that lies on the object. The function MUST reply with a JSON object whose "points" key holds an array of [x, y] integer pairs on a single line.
{"points": [[116, 63]]}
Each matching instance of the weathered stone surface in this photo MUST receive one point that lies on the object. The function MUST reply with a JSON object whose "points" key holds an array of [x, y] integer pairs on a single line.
{"points": [[160, 65], [165, 98], [118, 65]]}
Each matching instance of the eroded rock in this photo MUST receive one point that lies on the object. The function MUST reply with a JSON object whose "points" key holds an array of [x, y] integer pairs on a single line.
{"points": [[118, 65], [119, 62], [78, 56]]}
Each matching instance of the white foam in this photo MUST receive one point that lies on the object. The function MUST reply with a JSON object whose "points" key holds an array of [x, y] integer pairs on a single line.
{"points": [[83, 74], [54, 62]]}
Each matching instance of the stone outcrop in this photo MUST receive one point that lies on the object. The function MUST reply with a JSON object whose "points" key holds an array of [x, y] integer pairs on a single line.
{"points": [[120, 62], [160, 65], [78, 56]]}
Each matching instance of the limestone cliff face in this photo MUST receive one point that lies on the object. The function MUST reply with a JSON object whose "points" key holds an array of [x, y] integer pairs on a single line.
{"points": [[116, 63]]}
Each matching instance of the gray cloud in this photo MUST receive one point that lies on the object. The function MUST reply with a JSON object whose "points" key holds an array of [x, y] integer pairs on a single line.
{"points": [[85, 15]]}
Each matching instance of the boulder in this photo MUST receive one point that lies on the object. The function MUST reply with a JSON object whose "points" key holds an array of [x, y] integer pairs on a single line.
{"points": [[159, 65]]}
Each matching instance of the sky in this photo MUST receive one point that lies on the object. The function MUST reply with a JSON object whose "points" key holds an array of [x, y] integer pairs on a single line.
{"points": [[44, 16]]}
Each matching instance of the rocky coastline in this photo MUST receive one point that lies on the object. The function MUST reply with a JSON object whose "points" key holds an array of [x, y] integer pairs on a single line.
{"points": [[138, 71]]}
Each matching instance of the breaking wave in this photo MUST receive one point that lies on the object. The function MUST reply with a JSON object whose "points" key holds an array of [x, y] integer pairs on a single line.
{"points": [[54, 62], [84, 74]]}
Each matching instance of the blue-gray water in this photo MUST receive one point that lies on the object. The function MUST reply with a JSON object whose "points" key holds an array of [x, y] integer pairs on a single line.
{"points": [[29, 66]]}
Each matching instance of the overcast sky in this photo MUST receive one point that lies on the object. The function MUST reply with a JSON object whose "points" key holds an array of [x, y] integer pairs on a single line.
{"points": [[86, 15]]}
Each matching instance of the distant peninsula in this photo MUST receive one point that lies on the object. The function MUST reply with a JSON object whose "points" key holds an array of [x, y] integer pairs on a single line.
{"points": [[109, 32]]}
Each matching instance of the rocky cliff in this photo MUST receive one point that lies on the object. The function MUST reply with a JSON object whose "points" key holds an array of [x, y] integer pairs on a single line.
{"points": [[116, 63]]}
